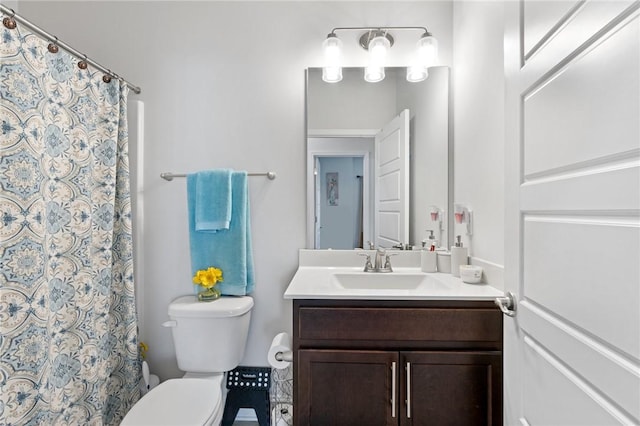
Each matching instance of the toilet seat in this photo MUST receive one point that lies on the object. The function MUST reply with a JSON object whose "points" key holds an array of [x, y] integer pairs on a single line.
{"points": [[179, 402]]}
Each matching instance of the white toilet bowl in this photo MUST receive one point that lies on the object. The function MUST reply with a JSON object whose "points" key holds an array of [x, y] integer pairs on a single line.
{"points": [[180, 402], [209, 339]]}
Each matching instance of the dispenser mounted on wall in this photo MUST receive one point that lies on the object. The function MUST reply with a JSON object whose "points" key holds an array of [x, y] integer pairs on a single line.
{"points": [[463, 215], [435, 217]]}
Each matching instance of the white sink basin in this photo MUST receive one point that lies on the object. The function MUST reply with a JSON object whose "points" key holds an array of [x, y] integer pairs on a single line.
{"points": [[381, 281]]}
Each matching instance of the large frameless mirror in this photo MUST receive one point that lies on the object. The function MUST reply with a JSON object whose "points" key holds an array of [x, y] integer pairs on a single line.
{"points": [[378, 160]]}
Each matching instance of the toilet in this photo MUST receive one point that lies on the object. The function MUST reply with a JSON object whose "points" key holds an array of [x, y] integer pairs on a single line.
{"points": [[209, 339]]}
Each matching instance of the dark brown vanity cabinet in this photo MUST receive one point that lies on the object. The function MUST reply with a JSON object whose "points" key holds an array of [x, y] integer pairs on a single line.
{"points": [[397, 363]]}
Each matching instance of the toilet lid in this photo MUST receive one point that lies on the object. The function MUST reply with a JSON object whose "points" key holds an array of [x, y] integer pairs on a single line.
{"points": [[177, 402]]}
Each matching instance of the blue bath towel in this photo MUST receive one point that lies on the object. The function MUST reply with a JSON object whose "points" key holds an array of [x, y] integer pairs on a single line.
{"points": [[213, 200], [227, 249]]}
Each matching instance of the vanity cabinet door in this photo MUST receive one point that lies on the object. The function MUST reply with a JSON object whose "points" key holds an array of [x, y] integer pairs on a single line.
{"points": [[347, 388], [451, 388]]}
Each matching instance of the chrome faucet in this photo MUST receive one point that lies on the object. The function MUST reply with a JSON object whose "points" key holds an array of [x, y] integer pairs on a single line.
{"points": [[380, 253], [382, 256], [382, 262]]}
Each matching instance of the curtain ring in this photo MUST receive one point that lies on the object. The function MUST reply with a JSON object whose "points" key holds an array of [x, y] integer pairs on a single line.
{"points": [[9, 22], [83, 63], [53, 46]]}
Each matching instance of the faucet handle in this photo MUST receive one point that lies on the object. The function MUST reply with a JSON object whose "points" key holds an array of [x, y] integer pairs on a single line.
{"points": [[367, 262], [387, 262]]}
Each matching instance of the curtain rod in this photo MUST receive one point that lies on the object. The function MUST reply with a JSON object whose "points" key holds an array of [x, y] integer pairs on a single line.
{"points": [[53, 39], [169, 176]]}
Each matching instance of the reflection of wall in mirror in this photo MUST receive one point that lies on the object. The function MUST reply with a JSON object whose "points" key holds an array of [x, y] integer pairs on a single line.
{"points": [[429, 129], [350, 104]]}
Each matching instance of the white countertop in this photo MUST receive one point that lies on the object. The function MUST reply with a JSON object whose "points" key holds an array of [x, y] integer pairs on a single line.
{"points": [[314, 279]]}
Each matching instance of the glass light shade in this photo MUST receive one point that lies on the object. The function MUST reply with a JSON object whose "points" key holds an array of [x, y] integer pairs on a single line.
{"points": [[428, 50], [332, 71], [378, 48], [416, 73], [331, 74], [373, 73], [332, 46]]}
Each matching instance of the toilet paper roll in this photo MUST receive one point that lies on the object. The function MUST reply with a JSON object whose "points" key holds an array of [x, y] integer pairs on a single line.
{"points": [[153, 382], [280, 343]]}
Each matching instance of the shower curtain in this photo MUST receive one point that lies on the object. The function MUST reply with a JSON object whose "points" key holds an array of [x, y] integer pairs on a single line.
{"points": [[68, 340]]}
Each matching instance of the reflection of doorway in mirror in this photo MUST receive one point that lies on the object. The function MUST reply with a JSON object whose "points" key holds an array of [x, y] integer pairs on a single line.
{"points": [[339, 202], [335, 153]]}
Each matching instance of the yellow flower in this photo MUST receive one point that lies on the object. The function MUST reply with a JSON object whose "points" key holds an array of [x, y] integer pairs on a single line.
{"points": [[207, 278], [143, 349]]}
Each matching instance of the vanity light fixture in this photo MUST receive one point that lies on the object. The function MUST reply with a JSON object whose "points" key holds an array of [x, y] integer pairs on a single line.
{"points": [[378, 41]]}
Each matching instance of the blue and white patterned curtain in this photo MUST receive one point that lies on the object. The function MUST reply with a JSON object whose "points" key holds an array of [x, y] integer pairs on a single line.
{"points": [[68, 340]]}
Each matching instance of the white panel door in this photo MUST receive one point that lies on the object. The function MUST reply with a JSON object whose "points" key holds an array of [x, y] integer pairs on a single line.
{"points": [[572, 252], [391, 223]]}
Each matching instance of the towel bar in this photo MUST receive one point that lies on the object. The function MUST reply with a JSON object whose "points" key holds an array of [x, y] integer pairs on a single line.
{"points": [[169, 176]]}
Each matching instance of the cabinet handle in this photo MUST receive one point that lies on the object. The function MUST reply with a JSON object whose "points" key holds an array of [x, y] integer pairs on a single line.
{"points": [[393, 389], [408, 390]]}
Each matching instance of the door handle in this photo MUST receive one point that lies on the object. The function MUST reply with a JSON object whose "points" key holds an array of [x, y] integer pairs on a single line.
{"points": [[507, 304], [393, 389]]}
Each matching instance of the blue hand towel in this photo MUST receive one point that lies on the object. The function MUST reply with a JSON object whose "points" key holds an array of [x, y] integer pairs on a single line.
{"points": [[227, 249], [213, 200]]}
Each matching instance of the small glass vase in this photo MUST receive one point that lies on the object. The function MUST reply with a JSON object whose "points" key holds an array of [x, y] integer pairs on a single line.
{"points": [[209, 294]]}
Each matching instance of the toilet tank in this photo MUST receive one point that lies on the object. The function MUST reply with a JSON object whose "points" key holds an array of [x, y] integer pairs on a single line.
{"points": [[209, 337]]}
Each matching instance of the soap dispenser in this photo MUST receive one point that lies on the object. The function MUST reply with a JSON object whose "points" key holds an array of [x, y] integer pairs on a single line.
{"points": [[459, 255], [430, 243]]}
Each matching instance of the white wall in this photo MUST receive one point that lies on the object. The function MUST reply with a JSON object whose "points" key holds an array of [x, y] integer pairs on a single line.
{"points": [[478, 88], [12, 4], [223, 86]]}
